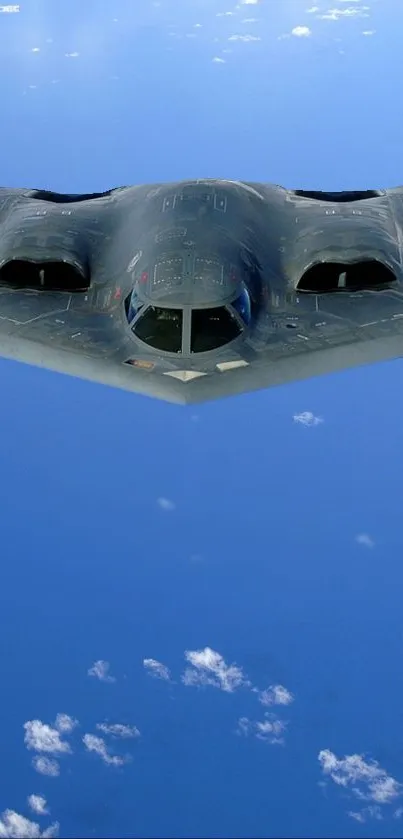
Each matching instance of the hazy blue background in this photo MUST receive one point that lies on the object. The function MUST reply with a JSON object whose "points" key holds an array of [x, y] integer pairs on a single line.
{"points": [[266, 528]]}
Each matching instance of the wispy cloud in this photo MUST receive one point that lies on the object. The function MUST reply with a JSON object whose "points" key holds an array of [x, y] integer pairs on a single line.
{"points": [[166, 504], [97, 744], [65, 724], [37, 803], [271, 730], [373, 782], [15, 826], [157, 669], [125, 732], [275, 695], [301, 32], [100, 670], [372, 812], [46, 766], [218, 60], [307, 418], [312, 10], [365, 539], [10, 9], [350, 12], [41, 737], [209, 668], [245, 38]]}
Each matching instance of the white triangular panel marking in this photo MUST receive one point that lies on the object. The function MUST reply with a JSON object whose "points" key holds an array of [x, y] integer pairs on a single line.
{"points": [[184, 375]]}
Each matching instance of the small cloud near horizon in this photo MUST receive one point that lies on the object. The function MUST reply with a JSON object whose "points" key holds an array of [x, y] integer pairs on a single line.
{"points": [[270, 730], [209, 668], [365, 539], [40, 737], [307, 418], [46, 766], [15, 826], [100, 670], [301, 32], [118, 730], [157, 669], [38, 804], [166, 504], [275, 695], [365, 778], [97, 744]]}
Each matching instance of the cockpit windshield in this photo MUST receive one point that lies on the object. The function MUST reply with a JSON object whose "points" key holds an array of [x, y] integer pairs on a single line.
{"points": [[212, 328], [160, 328], [135, 304], [242, 305]]}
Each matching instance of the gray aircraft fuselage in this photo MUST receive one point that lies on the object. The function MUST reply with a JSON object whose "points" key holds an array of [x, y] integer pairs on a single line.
{"points": [[194, 290]]}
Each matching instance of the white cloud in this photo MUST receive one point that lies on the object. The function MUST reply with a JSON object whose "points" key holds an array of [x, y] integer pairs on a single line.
{"points": [[166, 504], [224, 14], [218, 60], [118, 730], [43, 738], [276, 695], [249, 2], [98, 745], [373, 812], [72, 54], [270, 730], [65, 724], [312, 10], [37, 803], [352, 769], [100, 670], [35, 49], [209, 668], [398, 813], [250, 20], [10, 9], [336, 14], [157, 669], [307, 418], [369, 32], [301, 31], [46, 766], [365, 539], [15, 826], [244, 38]]}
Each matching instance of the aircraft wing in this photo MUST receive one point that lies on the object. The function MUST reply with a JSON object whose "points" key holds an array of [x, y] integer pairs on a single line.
{"points": [[139, 287]]}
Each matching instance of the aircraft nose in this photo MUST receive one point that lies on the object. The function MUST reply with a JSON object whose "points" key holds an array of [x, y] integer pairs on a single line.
{"points": [[189, 279]]}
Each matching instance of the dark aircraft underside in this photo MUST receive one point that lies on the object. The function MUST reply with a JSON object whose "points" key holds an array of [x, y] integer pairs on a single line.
{"points": [[195, 290]]}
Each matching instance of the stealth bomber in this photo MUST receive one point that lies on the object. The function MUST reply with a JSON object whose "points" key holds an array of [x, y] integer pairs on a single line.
{"points": [[195, 290]]}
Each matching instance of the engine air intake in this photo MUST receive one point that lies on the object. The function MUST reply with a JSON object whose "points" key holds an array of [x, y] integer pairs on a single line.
{"points": [[339, 197], [338, 276], [46, 276]]}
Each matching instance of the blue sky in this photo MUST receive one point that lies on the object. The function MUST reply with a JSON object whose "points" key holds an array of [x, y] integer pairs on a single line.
{"points": [[200, 608]]}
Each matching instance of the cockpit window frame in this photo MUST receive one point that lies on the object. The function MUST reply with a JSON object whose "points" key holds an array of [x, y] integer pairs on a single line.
{"points": [[186, 325], [142, 311], [234, 315]]}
